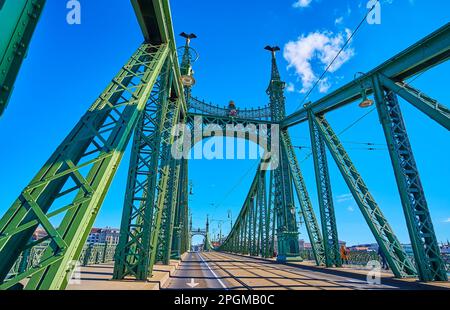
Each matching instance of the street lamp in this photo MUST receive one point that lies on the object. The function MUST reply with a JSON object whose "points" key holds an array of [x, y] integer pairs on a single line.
{"points": [[366, 102], [230, 217]]}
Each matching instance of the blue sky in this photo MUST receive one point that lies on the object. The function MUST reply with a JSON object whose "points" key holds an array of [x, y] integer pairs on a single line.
{"points": [[69, 66]]}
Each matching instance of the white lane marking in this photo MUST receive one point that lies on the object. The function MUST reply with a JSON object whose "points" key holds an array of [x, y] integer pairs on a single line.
{"points": [[192, 284], [214, 274]]}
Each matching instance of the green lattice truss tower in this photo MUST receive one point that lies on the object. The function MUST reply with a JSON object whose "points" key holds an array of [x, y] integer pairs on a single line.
{"points": [[18, 20]]}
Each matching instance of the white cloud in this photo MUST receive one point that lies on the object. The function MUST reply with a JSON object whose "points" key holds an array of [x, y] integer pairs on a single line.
{"points": [[351, 209], [290, 87], [317, 49], [324, 85], [339, 20], [344, 198], [447, 220], [302, 3]]}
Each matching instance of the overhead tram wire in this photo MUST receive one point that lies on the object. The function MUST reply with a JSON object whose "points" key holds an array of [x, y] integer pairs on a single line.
{"points": [[344, 142], [252, 168], [355, 122], [349, 39], [368, 148], [344, 131], [364, 143]]}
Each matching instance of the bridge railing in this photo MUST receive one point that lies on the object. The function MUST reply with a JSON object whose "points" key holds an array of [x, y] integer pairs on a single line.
{"points": [[201, 107], [92, 254], [97, 253], [362, 258]]}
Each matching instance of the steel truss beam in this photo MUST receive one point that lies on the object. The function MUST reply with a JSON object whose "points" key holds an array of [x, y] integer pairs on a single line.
{"points": [[74, 181], [263, 214], [181, 229], [252, 233], [283, 196], [18, 20], [149, 202], [133, 251], [428, 259], [395, 255], [284, 207], [421, 101], [307, 210], [327, 215], [271, 217], [164, 170], [168, 218]]}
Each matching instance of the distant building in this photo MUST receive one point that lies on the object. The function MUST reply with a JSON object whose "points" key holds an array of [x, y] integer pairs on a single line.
{"points": [[104, 235], [371, 247], [39, 233], [445, 249], [301, 244], [408, 249]]}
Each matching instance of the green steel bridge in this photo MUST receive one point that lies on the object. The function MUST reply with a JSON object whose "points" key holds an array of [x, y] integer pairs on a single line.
{"points": [[150, 95]]}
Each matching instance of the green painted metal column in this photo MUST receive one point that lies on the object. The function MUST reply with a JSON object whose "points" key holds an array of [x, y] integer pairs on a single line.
{"points": [[312, 225], [181, 223], [133, 250], [287, 230], [164, 169], [18, 20], [168, 223], [262, 215], [427, 105], [327, 214], [428, 259], [384, 235], [74, 181]]}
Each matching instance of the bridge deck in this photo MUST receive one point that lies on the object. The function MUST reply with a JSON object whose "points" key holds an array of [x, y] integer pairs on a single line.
{"points": [[99, 277], [235, 272], [219, 270]]}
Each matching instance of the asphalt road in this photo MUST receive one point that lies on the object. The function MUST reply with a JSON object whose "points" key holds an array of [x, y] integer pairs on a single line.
{"points": [[226, 271], [195, 273]]}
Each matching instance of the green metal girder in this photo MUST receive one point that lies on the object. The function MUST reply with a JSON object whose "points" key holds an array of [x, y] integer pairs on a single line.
{"points": [[395, 255], [271, 216], [18, 20], [435, 110], [155, 20], [180, 221], [283, 196], [428, 259], [169, 211], [185, 240], [132, 257], [252, 232], [264, 218], [286, 227], [249, 227], [148, 177], [325, 196], [307, 210], [81, 171], [164, 170]]}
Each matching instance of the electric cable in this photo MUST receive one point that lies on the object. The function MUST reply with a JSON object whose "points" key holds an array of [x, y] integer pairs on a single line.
{"points": [[349, 39]]}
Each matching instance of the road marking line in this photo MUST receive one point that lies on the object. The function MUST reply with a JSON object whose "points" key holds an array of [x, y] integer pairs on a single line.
{"points": [[214, 274]]}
